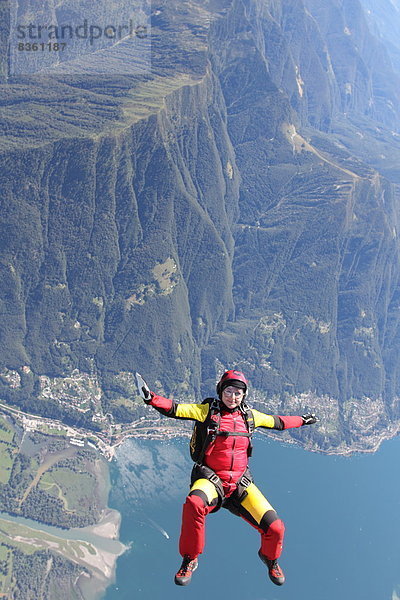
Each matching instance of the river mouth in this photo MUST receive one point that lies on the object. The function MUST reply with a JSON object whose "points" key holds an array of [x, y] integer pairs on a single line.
{"points": [[88, 534], [95, 549]]}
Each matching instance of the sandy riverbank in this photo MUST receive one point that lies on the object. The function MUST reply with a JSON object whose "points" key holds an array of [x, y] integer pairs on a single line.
{"points": [[107, 527], [95, 548], [101, 567], [102, 563]]}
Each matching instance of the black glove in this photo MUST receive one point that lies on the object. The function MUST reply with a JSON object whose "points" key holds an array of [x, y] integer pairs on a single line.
{"points": [[309, 419], [147, 395]]}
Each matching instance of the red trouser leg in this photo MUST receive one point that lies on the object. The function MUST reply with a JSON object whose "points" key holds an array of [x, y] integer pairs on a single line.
{"points": [[200, 502], [257, 511], [272, 540], [271, 536]]}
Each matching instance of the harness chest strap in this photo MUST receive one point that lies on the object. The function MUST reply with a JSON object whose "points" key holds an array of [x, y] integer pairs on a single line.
{"points": [[235, 433], [206, 432]]}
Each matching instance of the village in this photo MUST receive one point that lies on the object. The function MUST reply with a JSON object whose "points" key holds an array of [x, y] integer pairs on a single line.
{"points": [[105, 441]]}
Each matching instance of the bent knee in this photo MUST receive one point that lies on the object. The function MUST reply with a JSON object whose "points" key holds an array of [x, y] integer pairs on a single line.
{"points": [[197, 502], [206, 491], [277, 528], [196, 498], [272, 523]]}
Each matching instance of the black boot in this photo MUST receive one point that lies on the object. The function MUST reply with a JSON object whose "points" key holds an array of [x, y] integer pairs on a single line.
{"points": [[184, 575], [274, 571]]}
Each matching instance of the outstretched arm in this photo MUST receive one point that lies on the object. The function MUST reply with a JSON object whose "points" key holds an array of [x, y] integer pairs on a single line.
{"points": [[170, 408], [282, 422]]}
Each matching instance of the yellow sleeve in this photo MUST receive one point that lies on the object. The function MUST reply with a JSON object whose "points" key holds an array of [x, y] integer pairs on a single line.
{"points": [[197, 412], [263, 420]]}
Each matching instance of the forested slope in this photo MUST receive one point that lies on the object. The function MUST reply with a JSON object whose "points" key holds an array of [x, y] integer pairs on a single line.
{"points": [[236, 204]]}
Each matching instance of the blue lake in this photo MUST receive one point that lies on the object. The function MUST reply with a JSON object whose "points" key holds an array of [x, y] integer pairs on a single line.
{"points": [[342, 518]]}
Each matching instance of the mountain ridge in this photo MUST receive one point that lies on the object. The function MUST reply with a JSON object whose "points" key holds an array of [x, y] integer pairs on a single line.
{"points": [[112, 238]]}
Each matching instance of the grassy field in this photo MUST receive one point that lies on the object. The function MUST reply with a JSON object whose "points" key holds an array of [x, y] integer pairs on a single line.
{"points": [[73, 488], [53, 431], [7, 449], [6, 462], [6, 431]]}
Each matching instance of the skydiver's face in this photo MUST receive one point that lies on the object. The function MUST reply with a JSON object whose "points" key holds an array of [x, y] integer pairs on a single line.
{"points": [[232, 396]]}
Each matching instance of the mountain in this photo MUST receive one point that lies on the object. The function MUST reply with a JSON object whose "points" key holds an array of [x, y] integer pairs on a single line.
{"points": [[382, 20], [235, 202]]}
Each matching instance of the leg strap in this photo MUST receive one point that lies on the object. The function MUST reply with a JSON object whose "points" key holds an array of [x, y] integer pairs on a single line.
{"points": [[234, 502], [243, 483], [203, 472]]}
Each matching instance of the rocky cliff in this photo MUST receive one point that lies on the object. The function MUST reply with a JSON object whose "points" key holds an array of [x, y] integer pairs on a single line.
{"points": [[236, 204]]}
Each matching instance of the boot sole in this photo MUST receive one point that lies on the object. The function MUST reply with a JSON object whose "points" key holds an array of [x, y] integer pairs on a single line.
{"points": [[275, 580], [184, 580], [180, 581]]}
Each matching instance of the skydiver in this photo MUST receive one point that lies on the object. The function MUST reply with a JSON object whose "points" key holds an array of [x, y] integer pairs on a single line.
{"points": [[221, 446]]}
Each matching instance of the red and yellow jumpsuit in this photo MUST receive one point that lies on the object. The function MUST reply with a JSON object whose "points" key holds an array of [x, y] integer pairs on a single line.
{"points": [[227, 456]]}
